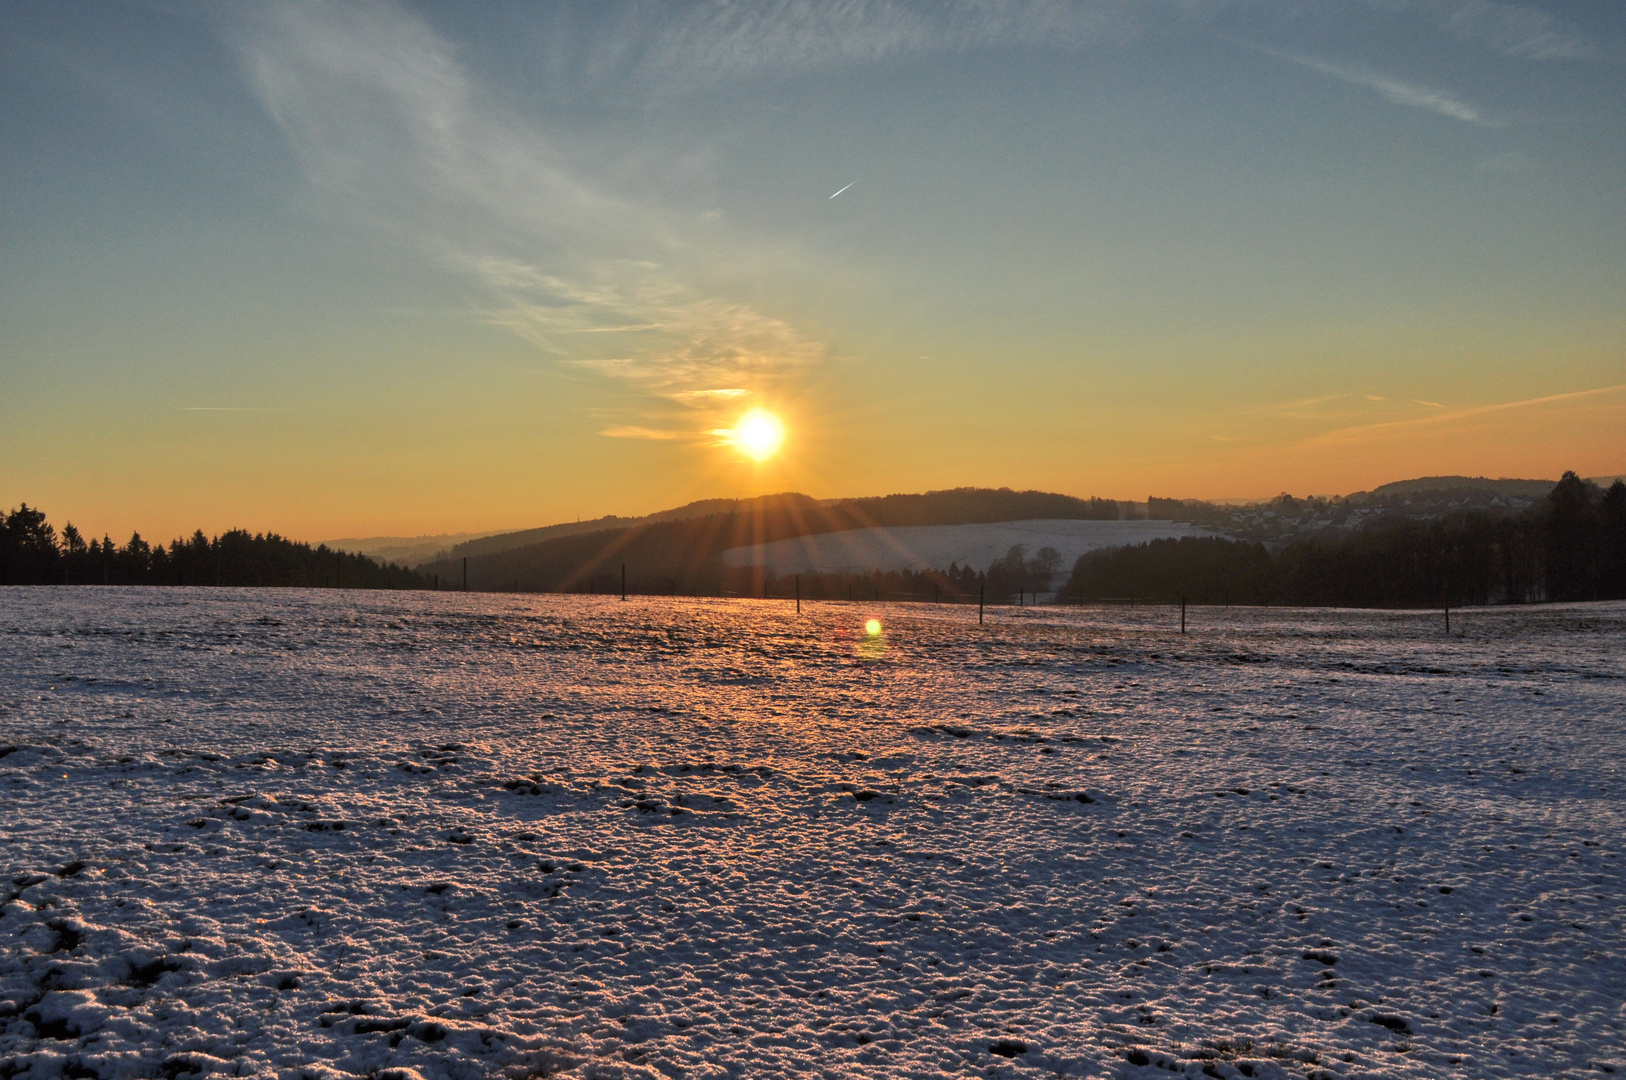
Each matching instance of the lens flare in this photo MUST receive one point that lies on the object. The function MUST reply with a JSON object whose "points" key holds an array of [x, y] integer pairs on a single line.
{"points": [[873, 628], [759, 434]]}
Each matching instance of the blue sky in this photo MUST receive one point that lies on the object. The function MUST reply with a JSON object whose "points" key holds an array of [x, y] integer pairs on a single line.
{"points": [[392, 268]]}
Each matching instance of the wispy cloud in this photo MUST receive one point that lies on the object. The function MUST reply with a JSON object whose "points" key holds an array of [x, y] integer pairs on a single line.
{"points": [[714, 40], [1393, 90], [1320, 409], [391, 130], [690, 343], [1369, 432], [629, 431], [1514, 30], [723, 38], [710, 395]]}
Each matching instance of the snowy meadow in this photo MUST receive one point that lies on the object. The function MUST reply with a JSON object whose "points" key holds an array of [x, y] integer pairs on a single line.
{"points": [[313, 833]]}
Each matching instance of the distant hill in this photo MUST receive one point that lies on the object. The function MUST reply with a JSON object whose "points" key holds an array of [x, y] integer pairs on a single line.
{"points": [[406, 550], [1429, 498], [491, 543], [680, 549], [683, 553], [958, 506], [1529, 489]]}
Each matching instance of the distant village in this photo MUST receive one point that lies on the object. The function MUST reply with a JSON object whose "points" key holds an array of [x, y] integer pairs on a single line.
{"points": [[1285, 518]]}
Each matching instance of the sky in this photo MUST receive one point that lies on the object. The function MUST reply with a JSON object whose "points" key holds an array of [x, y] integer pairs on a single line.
{"points": [[396, 269]]}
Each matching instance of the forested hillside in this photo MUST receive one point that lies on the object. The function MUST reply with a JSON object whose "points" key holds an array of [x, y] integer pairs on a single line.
{"points": [[683, 555], [958, 506]]}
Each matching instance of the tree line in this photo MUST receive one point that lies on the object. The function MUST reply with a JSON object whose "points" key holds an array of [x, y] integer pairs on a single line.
{"points": [[1570, 546], [33, 553], [1005, 581]]}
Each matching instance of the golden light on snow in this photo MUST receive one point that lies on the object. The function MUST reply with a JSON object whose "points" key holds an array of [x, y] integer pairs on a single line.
{"points": [[759, 434], [873, 628]]}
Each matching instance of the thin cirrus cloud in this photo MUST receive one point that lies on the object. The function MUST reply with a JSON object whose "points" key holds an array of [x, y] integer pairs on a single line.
{"points": [[394, 134], [686, 345], [722, 39], [711, 41], [392, 131], [632, 431], [1605, 396], [1512, 30], [1393, 90]]}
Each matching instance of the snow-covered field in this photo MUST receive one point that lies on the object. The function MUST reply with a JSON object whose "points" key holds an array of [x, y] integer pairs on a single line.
{"points": [[327, 834], [924, 547]]}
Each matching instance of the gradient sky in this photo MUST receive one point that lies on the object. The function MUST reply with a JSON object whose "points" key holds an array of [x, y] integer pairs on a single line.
{"points": [[375, 268]]}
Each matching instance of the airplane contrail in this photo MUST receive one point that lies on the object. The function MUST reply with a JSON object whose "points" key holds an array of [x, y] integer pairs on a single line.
{"points": [[844, 189]]}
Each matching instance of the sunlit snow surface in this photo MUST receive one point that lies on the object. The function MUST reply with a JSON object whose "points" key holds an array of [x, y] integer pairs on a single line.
{"points": [[318, 833]]}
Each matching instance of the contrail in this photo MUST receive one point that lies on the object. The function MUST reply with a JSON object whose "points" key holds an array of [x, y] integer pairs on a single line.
{"points": [[844, 189]]}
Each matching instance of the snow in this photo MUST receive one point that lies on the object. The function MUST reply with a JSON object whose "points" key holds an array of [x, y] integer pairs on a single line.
{"points": [[922, 547], [329, 834]]}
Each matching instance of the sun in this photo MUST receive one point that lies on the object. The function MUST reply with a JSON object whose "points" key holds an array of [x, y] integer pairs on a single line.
{"points": [[759, 434]]}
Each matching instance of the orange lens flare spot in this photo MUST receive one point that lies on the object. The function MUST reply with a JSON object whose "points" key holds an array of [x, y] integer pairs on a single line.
{"points": [[873, 628]]}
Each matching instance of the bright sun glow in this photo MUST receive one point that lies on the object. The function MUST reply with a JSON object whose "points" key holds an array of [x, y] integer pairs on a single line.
{"points": [[873, 628], [759, 434]]}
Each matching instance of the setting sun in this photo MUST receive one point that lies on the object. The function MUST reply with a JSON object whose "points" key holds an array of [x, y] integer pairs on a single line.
{"points": [[759, 434]]}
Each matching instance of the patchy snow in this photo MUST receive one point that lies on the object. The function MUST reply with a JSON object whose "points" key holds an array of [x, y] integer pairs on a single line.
{"points": [[927, 547], [329, 834]]}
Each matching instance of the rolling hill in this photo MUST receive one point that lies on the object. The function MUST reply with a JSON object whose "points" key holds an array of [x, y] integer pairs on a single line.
{"points": [[678, 552]]}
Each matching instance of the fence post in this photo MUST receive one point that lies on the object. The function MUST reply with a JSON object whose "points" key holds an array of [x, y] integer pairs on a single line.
{"points": [[1182, 614], [981, 587], [623, 581], [465, 573], [798, 594]]}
